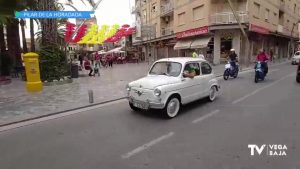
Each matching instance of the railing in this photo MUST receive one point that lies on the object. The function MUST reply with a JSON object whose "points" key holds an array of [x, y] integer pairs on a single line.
{"points": [[167, 8], [228, 18], [167, 31]]}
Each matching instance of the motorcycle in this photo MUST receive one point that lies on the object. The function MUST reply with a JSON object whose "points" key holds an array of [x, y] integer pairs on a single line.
{"points": [[260, 73], [231, 71]]}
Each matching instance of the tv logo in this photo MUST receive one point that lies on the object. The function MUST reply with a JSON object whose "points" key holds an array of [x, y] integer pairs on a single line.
{"points": [[253, 147], [270, 150]]}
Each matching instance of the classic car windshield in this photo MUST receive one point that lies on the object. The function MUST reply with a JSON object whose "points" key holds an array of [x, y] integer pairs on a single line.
{"points": [[166, 68]]}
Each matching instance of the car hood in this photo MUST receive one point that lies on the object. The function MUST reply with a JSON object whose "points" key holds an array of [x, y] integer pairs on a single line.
{"points": [[153, 81]]}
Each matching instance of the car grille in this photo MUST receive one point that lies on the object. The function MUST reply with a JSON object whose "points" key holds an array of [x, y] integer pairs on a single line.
{"points": [[141, 94]]}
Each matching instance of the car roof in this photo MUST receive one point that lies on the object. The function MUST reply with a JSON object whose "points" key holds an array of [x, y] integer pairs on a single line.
{"points": [[182, 59]]}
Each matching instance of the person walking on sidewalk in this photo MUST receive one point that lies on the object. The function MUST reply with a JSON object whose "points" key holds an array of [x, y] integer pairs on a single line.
{"points": [[110, 60], [88, 66]]}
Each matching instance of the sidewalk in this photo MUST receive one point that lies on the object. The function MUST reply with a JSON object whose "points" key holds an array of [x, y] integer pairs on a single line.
{"points": [[17, 104]]}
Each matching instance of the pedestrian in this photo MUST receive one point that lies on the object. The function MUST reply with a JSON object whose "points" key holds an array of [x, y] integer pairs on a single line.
{"points": [[110, 60], [97, 59], [194, 55], [96, 70], [88, 66], [271, 55], [81, 60]]}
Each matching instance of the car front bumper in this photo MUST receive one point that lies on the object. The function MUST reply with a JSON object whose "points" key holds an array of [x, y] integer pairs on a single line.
{"points": [[151, 104]]}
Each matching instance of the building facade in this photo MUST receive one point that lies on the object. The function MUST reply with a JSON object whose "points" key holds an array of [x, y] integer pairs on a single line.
{"points": [[171, 28]]}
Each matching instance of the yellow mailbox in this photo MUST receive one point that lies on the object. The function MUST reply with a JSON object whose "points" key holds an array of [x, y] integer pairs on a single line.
{"points": [[32, 68]]}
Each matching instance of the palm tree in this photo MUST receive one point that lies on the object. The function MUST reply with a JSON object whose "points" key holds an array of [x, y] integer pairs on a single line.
{"points": [[49, 26], [32, 41], [2, 40], [23, 23]]}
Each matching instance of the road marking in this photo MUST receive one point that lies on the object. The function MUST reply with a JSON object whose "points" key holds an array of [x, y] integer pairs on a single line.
{"points": [[147, 145], [56, 116], [260, 89], [205, 116]]}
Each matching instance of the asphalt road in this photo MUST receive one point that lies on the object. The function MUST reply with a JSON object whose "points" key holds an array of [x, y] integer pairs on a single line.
{"points": [[205, 135]]}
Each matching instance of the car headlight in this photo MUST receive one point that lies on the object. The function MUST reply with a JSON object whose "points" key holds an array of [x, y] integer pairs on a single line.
{"points": [[128, 88], [157, 92]]}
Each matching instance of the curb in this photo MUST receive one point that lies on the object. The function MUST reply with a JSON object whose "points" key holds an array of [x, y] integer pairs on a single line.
{"points": [[95, 104], [60, 112]]}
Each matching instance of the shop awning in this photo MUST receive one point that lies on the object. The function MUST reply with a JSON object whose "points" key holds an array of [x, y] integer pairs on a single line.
{"points": [[116, 50], [183, 44], [200, 43]]}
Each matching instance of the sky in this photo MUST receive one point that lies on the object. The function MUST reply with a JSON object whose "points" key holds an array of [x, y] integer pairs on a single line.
{"points": [[109, 12]]}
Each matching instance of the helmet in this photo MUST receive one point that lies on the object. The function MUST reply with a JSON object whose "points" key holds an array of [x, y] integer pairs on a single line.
{"points": [[232, 50]]}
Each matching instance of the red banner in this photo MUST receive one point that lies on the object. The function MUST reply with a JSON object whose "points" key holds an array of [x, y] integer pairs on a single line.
{"points": [[259, 29], [192, 32]]}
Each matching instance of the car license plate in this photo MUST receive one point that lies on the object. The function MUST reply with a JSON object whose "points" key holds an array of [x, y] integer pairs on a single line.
{"points": [[141, 105]]}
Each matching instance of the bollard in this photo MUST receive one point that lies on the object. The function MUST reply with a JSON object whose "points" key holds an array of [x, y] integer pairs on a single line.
{"points": [[91, 96]]}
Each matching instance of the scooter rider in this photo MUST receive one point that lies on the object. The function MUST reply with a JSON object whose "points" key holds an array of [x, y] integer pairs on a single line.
{"points": [[233, 58], [262, 57]]}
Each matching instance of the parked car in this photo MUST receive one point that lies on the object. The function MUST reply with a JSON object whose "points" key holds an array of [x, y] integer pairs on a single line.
{"points": [[296, 58], [171, 83], [298, 73]]}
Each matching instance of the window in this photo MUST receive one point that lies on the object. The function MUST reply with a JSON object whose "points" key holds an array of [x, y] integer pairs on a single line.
{"points": [[153, 9], [275, 18], [192, 66], [198, 13], [205, 68], [256, 9], [267, 13], [181, 18], [295, 6], [166, 68], [144, 14]]}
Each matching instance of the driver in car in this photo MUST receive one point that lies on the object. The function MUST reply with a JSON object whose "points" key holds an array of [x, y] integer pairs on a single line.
{"points": [[189, 71]]}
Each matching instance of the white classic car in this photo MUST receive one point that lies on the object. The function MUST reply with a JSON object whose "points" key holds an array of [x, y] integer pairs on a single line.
{"points": [[171, 83], [296, 58]]}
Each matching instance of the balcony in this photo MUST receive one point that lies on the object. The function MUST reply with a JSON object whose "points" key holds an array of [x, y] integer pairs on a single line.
{"points": [[167, 31], [167, 9], [228, 18]]}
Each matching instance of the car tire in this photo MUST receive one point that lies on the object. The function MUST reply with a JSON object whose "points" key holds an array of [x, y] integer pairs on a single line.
{"points": [[172, 107], [212, 94], [133, 107]]}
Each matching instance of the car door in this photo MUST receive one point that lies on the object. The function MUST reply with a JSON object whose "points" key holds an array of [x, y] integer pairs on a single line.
{"points": [[190, 86], [206, 76]]}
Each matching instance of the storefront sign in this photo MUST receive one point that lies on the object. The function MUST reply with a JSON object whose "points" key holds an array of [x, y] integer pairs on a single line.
{"points": [[192, 32], [259, 29]]}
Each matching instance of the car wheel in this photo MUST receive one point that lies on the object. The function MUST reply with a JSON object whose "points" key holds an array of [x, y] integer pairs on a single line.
{"points": [[172, 107], [133, 107], [212, 93]]}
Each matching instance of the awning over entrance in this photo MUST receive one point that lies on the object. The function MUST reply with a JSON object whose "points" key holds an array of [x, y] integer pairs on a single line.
{"points": [[200, 43], [183, 44]]}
